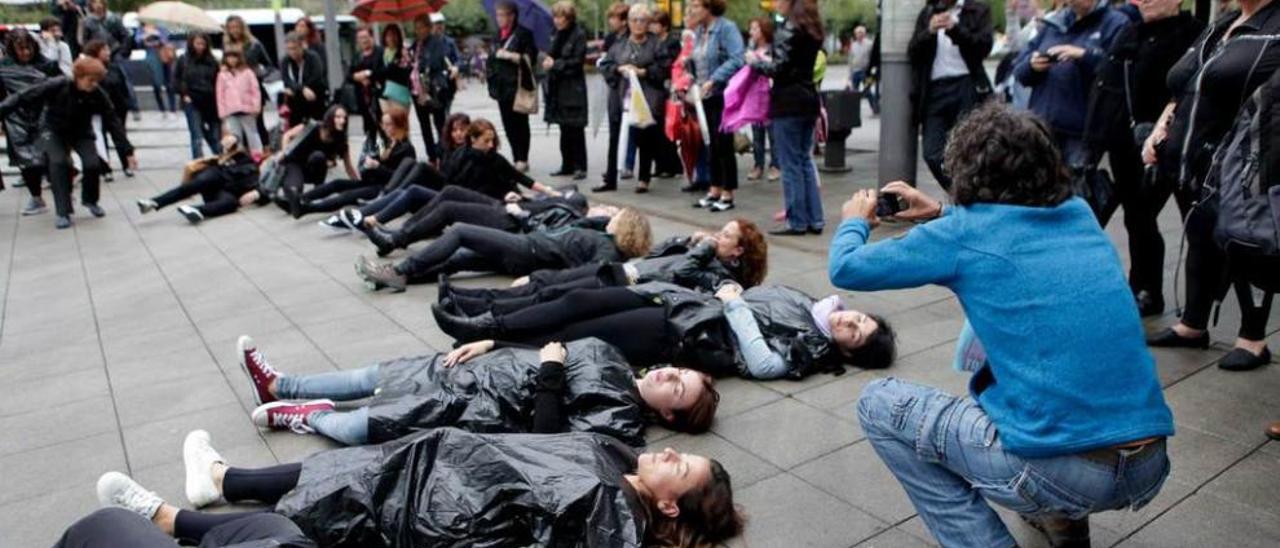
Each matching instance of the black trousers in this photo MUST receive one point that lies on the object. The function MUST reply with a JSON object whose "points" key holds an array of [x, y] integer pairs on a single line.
{"points": [[1142, 200], [573, 148], [58, 153], [301, 110], [649, 147], [721, 159], [616, 315], [453, 205], [122, 117], [209, 185], [311, 171], [431, 122], [117, 527], [509, 300], [517, 127], [340, 193], [947, 100], [33, 179], [470, 247], [611, 163]]}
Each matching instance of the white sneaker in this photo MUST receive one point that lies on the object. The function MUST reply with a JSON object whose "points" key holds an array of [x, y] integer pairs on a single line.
{"points": [[147, 205], [120, 491], [198, 456], [192, 214]]}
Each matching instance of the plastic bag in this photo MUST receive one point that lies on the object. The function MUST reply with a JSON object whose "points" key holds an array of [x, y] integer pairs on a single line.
{"points": [[637, 105]]}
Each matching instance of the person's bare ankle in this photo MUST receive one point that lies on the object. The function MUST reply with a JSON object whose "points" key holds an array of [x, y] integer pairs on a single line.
{"points": [[1187, 332], [1254, 347], [271, 388], [165, 517], [218, 471]]}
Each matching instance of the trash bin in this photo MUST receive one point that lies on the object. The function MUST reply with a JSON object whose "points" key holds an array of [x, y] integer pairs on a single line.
{"points": [[844, 113]]}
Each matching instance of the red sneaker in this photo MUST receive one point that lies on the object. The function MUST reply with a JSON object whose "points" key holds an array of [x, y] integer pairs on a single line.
{"points": [[255, 365], [289, 416]]}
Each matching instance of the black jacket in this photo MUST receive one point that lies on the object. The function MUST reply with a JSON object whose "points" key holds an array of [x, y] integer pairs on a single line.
{"points": [[694, 267], [1211, 82], [68, 112], [109, 29], [311, 74], [1146, 51], [574, 246], [197, 78], [448, 487], [650, 56], [433, 59], [505, 75], [706, 341], [239, 173], [367, 97], [117, 86], [22, 125], [495, 393], [791, 62], [567, 81], [973, 35], [488, 173]]}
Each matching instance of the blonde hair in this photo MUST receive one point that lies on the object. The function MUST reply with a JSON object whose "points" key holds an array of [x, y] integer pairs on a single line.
{"points": [[566, 9], [632, 234]]}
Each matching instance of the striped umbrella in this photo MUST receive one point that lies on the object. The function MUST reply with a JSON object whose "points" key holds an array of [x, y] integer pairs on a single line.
{"points": [[394, 11]]}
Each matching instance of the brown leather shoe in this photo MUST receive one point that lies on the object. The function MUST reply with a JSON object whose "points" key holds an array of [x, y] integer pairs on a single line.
{"points": [[1273, 431]]}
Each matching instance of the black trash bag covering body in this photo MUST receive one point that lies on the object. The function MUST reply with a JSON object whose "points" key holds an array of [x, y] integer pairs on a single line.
{"points": [[785, 316], [448, 487], [494, 393], [22, 126]]}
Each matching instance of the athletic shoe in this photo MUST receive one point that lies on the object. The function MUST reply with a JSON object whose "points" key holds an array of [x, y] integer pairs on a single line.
{"points": [[109, 176], [335, 224], [147, 205], [705, 202], [63, 222], [120, 491], [721, 205], [128, 173], [35, 206], [198, 457], [377, 276], [192, 214], [295, 417], [255, 366], [774, 174], [352, 218], [96, 210]]}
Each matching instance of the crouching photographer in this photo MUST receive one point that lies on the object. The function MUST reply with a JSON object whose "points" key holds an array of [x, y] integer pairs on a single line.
{"points": [[1065, 415]]}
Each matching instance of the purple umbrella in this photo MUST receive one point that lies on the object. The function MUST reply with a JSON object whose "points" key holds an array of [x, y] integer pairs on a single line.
{"points": [[533, 16]]}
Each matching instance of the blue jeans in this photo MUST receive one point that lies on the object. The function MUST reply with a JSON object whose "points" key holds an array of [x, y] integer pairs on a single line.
{"points": [[199, 128], [793, 139], [857, 79], [759, 134], [945, 452], [398, 202], [350, 428], [632, 135]]}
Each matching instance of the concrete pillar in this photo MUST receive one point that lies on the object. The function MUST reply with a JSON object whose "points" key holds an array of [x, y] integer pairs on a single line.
{"points": [[331, 49], [898, 134]]}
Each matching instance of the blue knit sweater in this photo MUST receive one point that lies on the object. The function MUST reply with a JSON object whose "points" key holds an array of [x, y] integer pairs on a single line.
{"points": [[1042, 287]]}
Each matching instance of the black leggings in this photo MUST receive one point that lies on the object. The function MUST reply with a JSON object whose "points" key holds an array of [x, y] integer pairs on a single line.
{"points": [[260, 484], [33, 178], [1142, 201], [517, 128], [573, 148], [455, 204], [543, 286], [111, 527], [470, 247], [311, 170], [721, 158], [208, 183], [616, 315], [340, 193]]}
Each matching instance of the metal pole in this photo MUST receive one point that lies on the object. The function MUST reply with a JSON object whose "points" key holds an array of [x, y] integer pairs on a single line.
{"points": [[278, 29], [898, 137], [331, 51]]}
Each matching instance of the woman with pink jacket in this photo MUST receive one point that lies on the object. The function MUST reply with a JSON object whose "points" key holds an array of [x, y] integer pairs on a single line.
{"points": [[239, 100]]}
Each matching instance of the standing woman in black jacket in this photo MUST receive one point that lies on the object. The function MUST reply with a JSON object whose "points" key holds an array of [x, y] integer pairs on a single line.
{"points": [[117, 87], [23, 67], [1128, 95], [642, 54], [794, 106], [196, 79], [567, 89], [511, 66], [393, 78], [1230, 59], [368, 63]]}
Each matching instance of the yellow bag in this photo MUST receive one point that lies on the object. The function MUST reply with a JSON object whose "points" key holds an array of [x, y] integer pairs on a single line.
{"points": [[641, 114]]}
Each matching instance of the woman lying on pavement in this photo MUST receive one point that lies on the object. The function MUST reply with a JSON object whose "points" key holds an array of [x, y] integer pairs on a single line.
{"points": [[449, 487], [767, 332], [225, 182], [114, 526], [506, 390], [479, 248], [1053, 431], [375, 171], [738, 252], [459, 205]]}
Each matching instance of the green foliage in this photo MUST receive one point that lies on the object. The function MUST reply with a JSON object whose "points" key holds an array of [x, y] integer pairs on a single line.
{"points": [[466, 17]]}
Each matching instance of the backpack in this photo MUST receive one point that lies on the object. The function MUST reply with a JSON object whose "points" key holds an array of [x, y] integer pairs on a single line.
{"points": [[1244, 178]]}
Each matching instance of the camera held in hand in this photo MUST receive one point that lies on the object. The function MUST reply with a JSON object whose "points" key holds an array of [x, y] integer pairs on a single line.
{"points": [[889, 204]]}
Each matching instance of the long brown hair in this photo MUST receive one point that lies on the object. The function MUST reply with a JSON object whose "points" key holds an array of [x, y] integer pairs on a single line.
{"points": [[697, 418], [804, 15], [753, 265], [708, 515], [400, 122], [478, 128]]}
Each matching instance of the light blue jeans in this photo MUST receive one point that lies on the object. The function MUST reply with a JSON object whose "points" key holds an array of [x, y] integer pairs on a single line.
{"points": [[793, 139], [349, 427], [944, 451]]}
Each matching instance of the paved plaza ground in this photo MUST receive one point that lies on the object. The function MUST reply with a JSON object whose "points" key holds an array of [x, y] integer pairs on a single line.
{"points": [[118, 337]]}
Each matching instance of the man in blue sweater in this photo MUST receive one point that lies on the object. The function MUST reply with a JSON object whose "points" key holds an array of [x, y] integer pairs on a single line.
{"points": [[1065, 415]]}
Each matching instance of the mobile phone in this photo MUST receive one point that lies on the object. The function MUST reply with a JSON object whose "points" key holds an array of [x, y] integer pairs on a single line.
{"points": [[889, 204], [1053, 57]]}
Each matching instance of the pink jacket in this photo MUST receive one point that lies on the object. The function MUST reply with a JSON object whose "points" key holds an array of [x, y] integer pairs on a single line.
{"points": [[238, 93], [746, 100]]}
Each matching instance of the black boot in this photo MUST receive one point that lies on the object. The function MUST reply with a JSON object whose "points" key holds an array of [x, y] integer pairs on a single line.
{"points": [[478, 328], [383, 239], [1061, 531]]}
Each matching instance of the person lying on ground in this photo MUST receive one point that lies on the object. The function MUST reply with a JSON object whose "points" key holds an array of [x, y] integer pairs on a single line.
{"points": [[449, 487], [586, 387], [393, 148], [484, 249], [114, 526], [702, 261], [225, 182], [767, 332]]}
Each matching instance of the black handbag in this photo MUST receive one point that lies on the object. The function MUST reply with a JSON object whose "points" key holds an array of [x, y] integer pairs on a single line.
{"points": [[1095, 186]]}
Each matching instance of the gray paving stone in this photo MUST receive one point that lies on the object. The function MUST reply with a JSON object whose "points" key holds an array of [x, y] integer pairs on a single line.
{"points": [[744, 468], [785, 432], [1198, 456], [40, 520], [893, 538], [738, 395], [856, 475], [156, 442], [1206, 520], [159, 401], [21, 397], [56, 422], [793, 513], [75, 463], [1196, 404], [1254, 482], [1126, 521]]}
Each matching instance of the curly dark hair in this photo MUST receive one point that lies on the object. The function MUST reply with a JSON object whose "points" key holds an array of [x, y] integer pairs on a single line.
{"points": [[19, 37], [880, 349], [998, 154]]}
